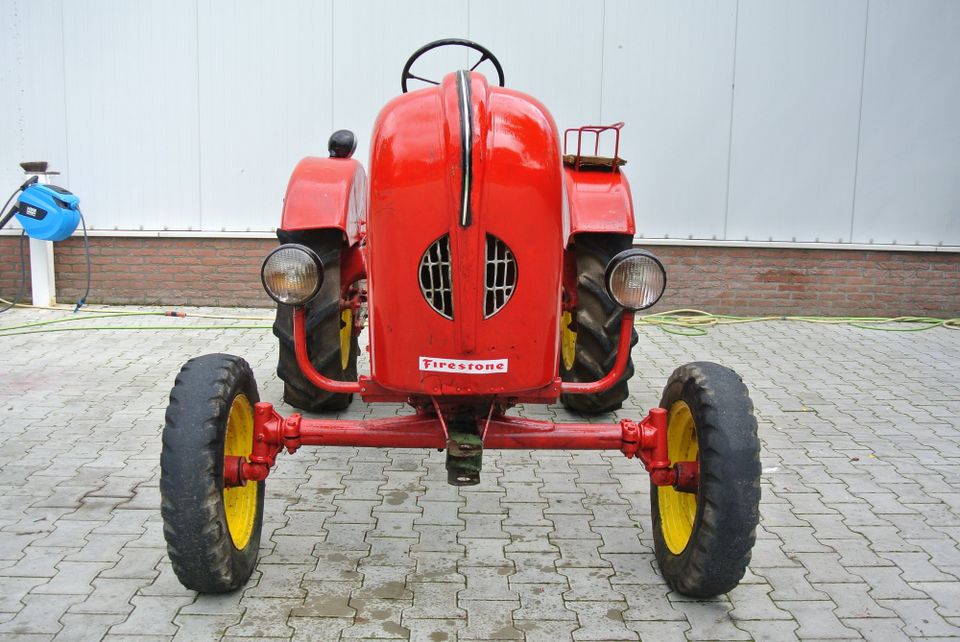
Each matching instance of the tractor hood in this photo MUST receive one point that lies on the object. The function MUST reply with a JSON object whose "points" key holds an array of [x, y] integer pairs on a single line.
{"points": [[466, 223]]}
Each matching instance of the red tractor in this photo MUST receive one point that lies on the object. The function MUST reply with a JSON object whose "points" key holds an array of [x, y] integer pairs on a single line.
{"points": [[491, 270]]}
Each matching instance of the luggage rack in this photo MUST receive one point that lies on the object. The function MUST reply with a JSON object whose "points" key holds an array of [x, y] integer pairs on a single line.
{"points": [[595, 162]]}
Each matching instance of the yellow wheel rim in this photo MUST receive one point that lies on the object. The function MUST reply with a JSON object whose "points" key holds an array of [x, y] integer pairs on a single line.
{"points": [[346, 332], [240, 502], [568, 341], [678, 510]]}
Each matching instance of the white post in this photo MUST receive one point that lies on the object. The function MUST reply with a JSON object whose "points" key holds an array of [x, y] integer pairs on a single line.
{"points": [[42, 282], [43, 288]]}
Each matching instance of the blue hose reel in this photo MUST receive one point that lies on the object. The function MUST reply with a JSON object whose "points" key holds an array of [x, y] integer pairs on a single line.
{"points": [[48, 212]]}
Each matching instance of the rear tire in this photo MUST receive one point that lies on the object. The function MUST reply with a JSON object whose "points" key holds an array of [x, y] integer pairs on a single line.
{"points": [[324, 324], [596, 322], [212, 533], [703, 540]]}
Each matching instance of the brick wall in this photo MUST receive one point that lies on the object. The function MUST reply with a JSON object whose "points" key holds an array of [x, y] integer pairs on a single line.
{"points": [[10, 267], [748, 281], [168, 271], [225, 272]]}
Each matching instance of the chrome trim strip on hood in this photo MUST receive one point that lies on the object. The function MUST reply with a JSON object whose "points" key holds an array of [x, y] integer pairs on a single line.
{"points": [[466, 145]]}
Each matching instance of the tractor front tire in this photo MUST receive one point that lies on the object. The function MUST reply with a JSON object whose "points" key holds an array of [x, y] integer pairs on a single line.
{"points": [[212, 532], [593, 331], [703, 540], [326, 331]]}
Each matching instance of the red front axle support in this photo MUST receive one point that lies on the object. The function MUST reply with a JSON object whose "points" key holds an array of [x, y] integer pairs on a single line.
{"points": [[366, 386], [646, 440]]}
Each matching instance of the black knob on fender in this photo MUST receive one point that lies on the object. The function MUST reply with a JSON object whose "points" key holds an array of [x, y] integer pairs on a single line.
{"points": [[342, 144]]}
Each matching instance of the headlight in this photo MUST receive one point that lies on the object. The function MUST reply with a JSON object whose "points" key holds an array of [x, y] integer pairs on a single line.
{"points": [[635, 279], [292, 274]]}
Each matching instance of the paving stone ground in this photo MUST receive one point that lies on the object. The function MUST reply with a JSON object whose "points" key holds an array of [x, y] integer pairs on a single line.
{"points": [[858, 539]]}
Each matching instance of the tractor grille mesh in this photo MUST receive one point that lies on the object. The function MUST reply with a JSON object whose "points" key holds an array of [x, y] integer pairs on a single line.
{"points": [[501, 276], [435, 280]]}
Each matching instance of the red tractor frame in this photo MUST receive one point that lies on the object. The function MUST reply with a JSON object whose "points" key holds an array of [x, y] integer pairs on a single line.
{"points": [[492, 270]]}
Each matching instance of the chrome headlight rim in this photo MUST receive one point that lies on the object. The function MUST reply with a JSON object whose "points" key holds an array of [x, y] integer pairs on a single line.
{"points": [[618, 260], [311, 254]]}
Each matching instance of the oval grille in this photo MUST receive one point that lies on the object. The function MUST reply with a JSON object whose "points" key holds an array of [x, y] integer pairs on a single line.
{"points": [[435, 280], [501, 276]]}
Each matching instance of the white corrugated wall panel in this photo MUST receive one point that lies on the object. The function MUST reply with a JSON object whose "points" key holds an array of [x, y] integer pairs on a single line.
{"points": [[795, 117], [550, 49], [782, 119], [668, 72], [32, 107], [131, 96], [265, 102], [372, 40], [12, 69], [908, 180]]}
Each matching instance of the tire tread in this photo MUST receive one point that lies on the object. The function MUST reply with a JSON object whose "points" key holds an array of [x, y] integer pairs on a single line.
{"points": [[598, 327], [323, 331], [724, 532], [191, 475]]}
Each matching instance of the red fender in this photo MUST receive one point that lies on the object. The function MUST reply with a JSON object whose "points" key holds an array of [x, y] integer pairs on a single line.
{"points": [[599, 201], [326, 193]]}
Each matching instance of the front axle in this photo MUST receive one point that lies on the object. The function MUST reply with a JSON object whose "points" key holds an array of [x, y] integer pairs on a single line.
{"points": [[645, 440]]}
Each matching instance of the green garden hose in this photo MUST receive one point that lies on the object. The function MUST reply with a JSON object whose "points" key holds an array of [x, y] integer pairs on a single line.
{"points": [[693, 323], [683, 322], [35, 327], [137, 327], [128, 313]]}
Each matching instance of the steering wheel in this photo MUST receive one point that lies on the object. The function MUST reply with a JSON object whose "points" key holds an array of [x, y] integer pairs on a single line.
{"points": [[485, 54]]}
